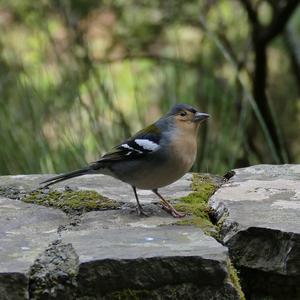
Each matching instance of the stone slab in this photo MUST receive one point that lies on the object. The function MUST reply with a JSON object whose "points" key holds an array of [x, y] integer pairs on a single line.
{"points": [[25, 231], [259, 213], [131, 241], [119, 252]]}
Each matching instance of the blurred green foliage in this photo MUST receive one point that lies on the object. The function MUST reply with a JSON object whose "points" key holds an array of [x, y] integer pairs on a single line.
{"points": [[76, 77]]}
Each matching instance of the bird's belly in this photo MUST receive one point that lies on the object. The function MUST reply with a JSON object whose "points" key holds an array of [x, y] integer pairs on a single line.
{"points": [[148, 177], [157, 180]]}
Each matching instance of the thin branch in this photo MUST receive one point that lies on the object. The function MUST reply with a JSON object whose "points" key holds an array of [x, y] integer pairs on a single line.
{"points": [[261, 37], [252, 14], [279, 21]]}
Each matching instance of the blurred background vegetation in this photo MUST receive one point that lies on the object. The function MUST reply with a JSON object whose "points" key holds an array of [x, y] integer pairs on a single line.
{"points": [[78, 76]]}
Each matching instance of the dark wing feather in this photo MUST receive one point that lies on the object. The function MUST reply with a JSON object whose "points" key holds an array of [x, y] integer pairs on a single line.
{"points": [[151, 132], [129, 149]]}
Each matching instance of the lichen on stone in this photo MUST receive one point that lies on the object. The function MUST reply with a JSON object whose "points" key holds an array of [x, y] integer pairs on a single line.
{"points": [[53, 274], [10, 192], [72, 201], [196, 203]]}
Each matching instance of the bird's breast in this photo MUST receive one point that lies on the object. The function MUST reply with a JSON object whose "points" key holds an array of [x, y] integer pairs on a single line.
{"points": [[183, 150]]}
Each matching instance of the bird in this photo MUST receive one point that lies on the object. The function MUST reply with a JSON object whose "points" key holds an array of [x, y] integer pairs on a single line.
{"points": [[154, 157]]}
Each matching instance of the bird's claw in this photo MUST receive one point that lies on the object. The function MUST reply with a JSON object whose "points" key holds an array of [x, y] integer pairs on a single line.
{"points": [[172, 211], [141, 212], [177, 214]]}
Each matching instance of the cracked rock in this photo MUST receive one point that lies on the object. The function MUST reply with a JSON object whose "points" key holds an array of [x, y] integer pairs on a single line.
{"points": [[53, 274], [25, 231], [258, 211], [121, 255]]}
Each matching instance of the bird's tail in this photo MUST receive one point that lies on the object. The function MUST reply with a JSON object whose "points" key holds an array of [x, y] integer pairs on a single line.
{"points": [[66, 176]]}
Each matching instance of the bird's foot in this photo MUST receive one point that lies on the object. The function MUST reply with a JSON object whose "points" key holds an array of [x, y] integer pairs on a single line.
{"points": [[177, 214], [171, 210], [141, 212]]}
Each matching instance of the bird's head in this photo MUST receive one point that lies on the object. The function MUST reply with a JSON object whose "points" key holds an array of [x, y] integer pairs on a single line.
{"points": [[187, 117]]}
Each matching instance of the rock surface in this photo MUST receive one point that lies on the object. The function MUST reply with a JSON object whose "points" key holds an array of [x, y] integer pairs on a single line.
{"points": [[150, 260], [105, 185], [258, 212], [25, 231], [112, 254]]}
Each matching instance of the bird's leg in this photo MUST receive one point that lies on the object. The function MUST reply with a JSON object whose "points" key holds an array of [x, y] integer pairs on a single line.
{"points": [[139, 208], [168, 206]]}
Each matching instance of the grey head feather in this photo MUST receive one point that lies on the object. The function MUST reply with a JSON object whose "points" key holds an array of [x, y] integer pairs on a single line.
{"points": [[167, 123], [179, 107]]}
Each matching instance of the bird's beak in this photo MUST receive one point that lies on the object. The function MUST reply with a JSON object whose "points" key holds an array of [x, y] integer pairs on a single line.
{"points": [[199, 117]]}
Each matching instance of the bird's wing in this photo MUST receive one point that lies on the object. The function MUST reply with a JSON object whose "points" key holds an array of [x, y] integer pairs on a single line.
{"points": [[140, 145]]}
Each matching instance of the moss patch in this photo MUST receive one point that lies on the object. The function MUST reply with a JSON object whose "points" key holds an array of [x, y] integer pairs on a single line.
{"points": [[234, 278], [128, 294], [195, 203], [72, 201]]}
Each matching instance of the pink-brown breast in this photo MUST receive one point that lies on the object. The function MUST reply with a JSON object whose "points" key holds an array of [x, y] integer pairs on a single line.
{"points": [[184, 149]]}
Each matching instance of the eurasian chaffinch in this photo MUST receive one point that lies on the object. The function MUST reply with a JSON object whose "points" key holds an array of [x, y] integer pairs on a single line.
{"points": [[154, 157]]}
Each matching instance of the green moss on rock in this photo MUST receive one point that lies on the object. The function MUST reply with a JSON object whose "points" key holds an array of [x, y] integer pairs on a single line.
{"points": [[70, 201], [195, 204], [234, 278]]}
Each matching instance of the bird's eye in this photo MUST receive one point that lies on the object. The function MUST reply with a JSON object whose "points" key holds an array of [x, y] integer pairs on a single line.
{"points": [[183, 113]]}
